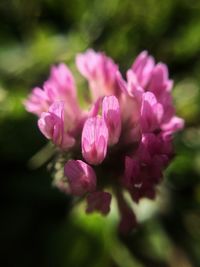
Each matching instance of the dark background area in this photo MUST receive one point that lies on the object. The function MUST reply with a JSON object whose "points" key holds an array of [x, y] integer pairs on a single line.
{"points": [[36, 225]]}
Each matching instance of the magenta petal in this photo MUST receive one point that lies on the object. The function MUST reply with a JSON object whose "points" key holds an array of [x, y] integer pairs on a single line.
{"points": [[94, 140], [81, 177], [99, 201], [45, 124], [143, 67], [51, 124], [151, 113], [132, 173], [67, 141], [57, 109], [62, 78], [112, 116], [100, 71], [174, 125], [121, 82], [37, 102], [95, 108], [159, 82]]}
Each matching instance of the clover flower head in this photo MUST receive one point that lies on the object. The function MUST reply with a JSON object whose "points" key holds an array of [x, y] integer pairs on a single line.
{"points": [[122, 141]]}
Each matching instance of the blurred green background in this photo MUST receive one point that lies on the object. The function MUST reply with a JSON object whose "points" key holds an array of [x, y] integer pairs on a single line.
{"points": [[36, 225]]}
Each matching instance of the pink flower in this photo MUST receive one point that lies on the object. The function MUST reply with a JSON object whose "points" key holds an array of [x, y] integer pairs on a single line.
{"points": [[37, 102], [143, 172], [142, 68], [129, 101], [63, 81], [126, 132], [132, 173], [59, 87], [94, 140], [139, 179], [112, 117], [81, 177], [99, 201], [151, 113], [134, 89], [153, 144], [159, 82], [173, 125], [100, 71], [51, 124]]}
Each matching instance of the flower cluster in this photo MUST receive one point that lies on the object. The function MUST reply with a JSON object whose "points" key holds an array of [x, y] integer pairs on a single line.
{"points": [[122, 141]]}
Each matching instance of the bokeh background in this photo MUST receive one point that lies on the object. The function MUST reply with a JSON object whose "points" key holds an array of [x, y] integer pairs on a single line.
{"points": [[37, 227]]}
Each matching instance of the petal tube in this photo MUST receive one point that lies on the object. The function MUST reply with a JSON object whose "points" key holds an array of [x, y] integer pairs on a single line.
{"points": [[112, 117]]}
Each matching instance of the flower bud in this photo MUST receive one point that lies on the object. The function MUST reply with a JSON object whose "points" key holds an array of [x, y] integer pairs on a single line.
{"points": [[51, 124], [94, 140], [81, 177]]}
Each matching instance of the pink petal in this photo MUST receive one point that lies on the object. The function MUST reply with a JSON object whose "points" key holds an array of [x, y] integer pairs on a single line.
{"points": [[143, 67], [37, 102], [81, 177], [112, 116], [159, 82], [174, 125], [151, 113], [100, 71], [94, 140]]}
